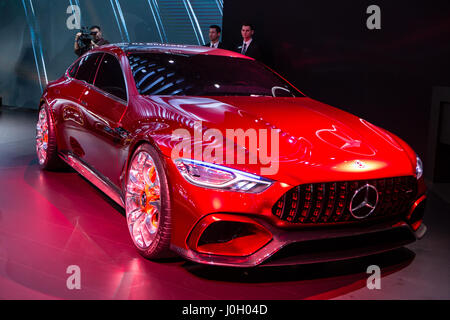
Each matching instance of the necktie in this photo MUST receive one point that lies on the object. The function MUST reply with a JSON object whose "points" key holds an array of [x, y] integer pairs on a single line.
{"points": [[244, 48]]}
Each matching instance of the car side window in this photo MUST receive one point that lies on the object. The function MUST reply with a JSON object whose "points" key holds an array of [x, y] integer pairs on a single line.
{"points": [[110, 77], [88, 67], [73, 69]]}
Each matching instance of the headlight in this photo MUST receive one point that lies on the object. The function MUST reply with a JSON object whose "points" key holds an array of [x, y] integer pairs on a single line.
{"points": [[419, 167], [210, 175]]}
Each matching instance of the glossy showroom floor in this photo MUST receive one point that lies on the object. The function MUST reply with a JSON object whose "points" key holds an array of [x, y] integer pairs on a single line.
{"points": [[49, 221]]}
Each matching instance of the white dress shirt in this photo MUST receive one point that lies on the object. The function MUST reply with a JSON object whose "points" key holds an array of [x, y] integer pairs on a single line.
{"points": [[246, 46], [214, 45]]}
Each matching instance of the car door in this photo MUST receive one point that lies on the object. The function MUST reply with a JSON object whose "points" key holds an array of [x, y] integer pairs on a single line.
{"points": [[70, 108], [105, 103]]}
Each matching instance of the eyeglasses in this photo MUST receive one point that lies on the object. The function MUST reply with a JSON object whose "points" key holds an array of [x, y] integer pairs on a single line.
{"points": [[94, 33]]}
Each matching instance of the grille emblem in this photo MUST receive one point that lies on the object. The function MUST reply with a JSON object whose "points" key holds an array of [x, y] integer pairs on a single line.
{"points": [[360, 164], [364, 201]]}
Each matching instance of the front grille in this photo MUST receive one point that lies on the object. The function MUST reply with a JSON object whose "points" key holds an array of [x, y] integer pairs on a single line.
{"points": [[323, 203]]}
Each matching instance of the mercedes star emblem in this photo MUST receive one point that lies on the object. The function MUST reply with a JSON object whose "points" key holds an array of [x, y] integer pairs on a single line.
{"points": [[364, 201]]}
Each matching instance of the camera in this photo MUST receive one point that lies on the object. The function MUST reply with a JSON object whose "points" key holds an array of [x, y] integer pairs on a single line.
{"points": [[84, 41]]}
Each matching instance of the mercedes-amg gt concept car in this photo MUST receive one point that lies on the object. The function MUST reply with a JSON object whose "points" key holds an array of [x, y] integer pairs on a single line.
{"points": [[217, 158]]}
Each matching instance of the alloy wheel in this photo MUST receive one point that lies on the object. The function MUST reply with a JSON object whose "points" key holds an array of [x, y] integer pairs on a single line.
{"points": [[42, 136], [143, 200]]}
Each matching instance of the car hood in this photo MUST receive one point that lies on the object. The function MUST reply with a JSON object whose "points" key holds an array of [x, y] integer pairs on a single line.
{"points": [[317, 142]]}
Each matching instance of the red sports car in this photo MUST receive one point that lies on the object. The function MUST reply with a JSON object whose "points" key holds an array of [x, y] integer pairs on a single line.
{"points": [[219, 159]]}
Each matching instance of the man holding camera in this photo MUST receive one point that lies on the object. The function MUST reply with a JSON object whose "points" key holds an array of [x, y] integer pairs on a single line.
{"points": [[96, 40]]}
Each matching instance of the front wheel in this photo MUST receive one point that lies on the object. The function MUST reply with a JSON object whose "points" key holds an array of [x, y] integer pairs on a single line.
{"points": [[147, 204]]}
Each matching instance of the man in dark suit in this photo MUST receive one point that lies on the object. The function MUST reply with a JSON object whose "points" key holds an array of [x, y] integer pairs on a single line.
{"points": [[249, 47], [214, 37]]}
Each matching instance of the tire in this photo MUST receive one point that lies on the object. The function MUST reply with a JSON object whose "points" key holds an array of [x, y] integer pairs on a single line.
{"points": [[46, 147], [147, 204]]}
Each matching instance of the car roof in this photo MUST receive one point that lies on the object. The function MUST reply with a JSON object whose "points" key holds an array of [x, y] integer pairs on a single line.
{"points": [[170, 48]]}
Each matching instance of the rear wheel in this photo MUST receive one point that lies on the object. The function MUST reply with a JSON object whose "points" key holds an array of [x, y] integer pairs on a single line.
{"points": [[46, 147], [147, 204]]}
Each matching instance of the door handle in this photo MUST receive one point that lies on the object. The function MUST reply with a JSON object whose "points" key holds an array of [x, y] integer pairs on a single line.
{"points": [[84, 103]]}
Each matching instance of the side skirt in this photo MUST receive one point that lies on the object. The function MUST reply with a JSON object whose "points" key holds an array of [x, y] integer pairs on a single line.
{"points": [[95, 178]]}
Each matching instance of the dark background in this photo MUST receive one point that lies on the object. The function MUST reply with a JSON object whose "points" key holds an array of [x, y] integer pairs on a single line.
{"points": [[325, 49]]}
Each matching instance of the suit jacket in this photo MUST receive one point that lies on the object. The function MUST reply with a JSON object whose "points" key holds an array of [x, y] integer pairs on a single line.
{"points": [[253, 50], [220, 46]]}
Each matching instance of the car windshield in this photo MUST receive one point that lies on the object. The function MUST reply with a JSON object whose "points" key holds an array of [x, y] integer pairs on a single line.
{"points": [[205, 75]]}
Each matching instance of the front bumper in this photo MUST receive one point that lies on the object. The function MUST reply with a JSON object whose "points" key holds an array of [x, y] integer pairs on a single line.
{"points": [[196, 209], [293, 247]]}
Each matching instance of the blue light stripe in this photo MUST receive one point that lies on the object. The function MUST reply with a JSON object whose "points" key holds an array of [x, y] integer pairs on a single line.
{"points": [[117, 20], [199, 29], [123, 20], [193, 18], [220, 6], [158, 12], [38, 38], [190, 18], [33, 36], [43, 61], [32, 8], [158, 22]]}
